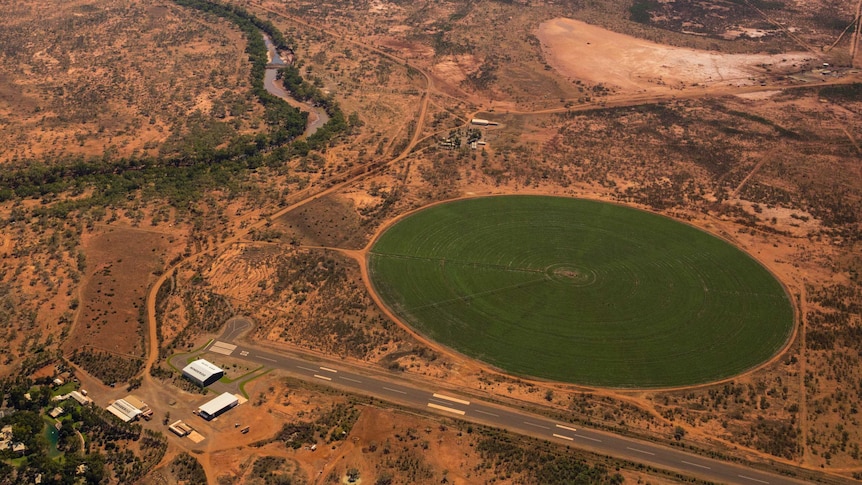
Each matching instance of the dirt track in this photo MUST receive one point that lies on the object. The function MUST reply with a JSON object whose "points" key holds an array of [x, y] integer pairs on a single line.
{"points": [[308, 195]]}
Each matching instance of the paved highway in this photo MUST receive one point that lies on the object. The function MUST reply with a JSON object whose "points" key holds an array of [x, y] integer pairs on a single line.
{"points": [[450, 404]]}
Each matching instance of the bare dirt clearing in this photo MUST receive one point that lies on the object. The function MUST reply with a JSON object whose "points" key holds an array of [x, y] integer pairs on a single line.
{"points": [[121, 263], [593, 54]]}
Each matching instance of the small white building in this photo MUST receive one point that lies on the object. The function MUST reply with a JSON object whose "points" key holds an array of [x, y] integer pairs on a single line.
{"points": [[6, 437], [77, 396], [82, 398], [481, 122], [218, 405], [180, 428], [202, 372]]}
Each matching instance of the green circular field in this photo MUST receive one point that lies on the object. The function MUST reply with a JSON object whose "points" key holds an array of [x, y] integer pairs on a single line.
{"points": [[580, 291]]}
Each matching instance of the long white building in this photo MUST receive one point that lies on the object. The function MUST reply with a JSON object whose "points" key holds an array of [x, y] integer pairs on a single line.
{"points": [[124, 410], [218, 405]]}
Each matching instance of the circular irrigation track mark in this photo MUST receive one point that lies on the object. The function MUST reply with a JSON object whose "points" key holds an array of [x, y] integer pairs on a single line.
{"points": [[580, 291], [571, 274]]}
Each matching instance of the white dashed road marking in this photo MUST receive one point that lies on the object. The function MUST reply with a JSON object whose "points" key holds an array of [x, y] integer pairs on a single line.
{"points": [[486, 412], [752, 479], [640, 451], [536, 425], [588, 438]]}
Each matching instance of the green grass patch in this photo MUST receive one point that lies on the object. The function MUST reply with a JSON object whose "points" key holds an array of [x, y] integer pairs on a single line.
{"points": [[192, 355], [64, 389], [581, 291], [202, 346], [243, 383], [226, 380], [16, 462]]}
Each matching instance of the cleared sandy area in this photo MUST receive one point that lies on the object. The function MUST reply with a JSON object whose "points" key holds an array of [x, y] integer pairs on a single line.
{"points": [[589, 53]]}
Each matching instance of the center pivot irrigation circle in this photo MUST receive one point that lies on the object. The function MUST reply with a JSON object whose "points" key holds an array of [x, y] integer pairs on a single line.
{"points": [[580, 291], [571, 274]]}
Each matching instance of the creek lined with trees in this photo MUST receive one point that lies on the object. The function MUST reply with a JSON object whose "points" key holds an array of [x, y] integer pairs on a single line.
{"points": [[182, 177], [318, 116]]}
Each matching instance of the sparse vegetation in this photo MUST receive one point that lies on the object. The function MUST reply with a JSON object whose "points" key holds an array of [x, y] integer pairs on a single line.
{"points": [[109, 368], [150, 119], [186, 468], [332, 425], [546, 465]]}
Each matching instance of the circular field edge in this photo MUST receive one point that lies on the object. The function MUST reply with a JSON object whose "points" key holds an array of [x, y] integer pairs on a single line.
{"points": [[789, 329]]}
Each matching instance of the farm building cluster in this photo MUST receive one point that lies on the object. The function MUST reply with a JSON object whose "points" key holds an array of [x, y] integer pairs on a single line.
{"points": [[472, 136], [201, 372], [7, 442], [79, 396]]}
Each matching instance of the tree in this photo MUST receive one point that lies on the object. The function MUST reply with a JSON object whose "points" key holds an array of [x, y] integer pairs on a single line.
{"points": [[352, 474], [385, 479], [354, 120]]}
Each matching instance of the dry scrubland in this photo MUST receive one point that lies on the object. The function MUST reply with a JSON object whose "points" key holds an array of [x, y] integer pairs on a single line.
{"points": [[766, 171], [356, 438], [118, 79], [776, 173]]}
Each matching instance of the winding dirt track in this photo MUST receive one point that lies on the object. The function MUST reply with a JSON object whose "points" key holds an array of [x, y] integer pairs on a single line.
{"points": [[304, 197], [355, 174]]}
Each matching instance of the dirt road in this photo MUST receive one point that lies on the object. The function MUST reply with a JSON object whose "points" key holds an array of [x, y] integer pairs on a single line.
{"points": [[304, 197], [355, 174]]}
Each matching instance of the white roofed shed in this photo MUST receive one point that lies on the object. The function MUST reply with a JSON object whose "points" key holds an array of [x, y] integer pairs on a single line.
{"points": [[202, 372], [123, 410], [218, 405]]}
